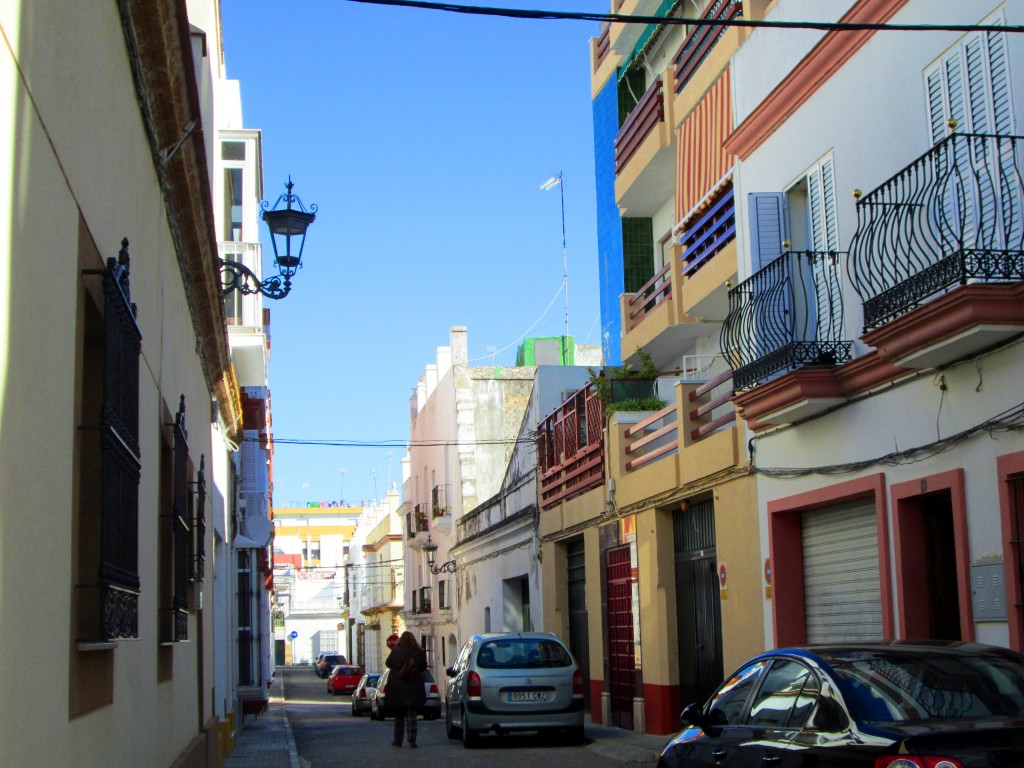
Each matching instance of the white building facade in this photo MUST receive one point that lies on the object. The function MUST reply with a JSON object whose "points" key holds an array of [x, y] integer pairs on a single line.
{"points": [[885, 198]]}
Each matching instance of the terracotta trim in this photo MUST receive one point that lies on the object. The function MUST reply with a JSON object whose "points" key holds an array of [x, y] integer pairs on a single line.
{"points": [[1007, 467], [947, 315], [831, 53], [909, 553], [786, 551]]}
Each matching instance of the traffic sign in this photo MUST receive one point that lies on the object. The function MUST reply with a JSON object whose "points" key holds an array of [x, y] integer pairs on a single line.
{"points": [[293, 634], [392, 641]]}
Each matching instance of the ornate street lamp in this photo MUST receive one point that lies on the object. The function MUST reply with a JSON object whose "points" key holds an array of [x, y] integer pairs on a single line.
{"points": [[431, 549], [284, 224]]}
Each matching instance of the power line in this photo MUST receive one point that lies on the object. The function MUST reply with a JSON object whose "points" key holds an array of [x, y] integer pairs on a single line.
{"points": [[344, 443], [828, 26]]}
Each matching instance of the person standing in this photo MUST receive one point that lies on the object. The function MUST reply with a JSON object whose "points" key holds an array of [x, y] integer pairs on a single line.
{"points": [[405, 693]]}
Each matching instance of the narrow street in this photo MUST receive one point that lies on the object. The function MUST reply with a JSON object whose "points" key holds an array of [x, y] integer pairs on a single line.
{"points": [[328, 736]]}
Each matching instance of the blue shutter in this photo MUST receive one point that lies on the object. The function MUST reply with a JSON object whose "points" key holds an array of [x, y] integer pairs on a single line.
{"points": [[769, 227]]}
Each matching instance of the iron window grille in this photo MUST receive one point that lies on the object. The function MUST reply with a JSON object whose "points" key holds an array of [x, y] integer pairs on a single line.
{"points": [[109, 607]]}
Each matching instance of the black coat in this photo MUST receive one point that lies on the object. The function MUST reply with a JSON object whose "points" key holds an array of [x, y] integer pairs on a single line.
{"points": [[405, 694]]}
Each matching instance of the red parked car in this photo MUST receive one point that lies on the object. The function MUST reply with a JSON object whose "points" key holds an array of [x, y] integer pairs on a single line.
{"points": [[344, 679]]}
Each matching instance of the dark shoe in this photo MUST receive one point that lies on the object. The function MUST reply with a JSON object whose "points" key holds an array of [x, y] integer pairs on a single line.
{"points": [[412, 745], [395, 743]]}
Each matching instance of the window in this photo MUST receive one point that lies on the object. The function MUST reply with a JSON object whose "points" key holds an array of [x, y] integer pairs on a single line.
{"points": [[971, 84], [728, 704], [968, 89], [109, 457], [785, 698], [177, 565], [245, 628], [442, 595]]}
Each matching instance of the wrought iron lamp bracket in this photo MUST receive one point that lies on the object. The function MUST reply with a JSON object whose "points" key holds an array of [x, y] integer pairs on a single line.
{"points": [[239, 277]]}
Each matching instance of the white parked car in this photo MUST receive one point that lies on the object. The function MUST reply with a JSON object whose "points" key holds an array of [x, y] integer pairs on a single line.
{"points": [[363, 694], [525, 681]]}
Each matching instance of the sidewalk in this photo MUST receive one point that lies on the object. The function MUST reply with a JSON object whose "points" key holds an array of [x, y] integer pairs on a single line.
{"points": [[267, 741]]}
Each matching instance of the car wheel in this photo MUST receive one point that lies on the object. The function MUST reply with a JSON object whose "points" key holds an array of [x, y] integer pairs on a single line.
{"points": [[470, 738], [574, 735], [449, 727]]}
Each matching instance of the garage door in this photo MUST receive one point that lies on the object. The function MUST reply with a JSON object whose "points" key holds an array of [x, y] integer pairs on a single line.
{"points": [[842, 592]]}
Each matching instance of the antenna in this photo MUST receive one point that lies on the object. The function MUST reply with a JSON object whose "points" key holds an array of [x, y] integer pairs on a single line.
{"points": [[559, 181]]}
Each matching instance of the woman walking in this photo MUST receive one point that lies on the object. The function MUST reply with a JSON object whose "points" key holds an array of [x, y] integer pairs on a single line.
{"points": [[405, 693]]}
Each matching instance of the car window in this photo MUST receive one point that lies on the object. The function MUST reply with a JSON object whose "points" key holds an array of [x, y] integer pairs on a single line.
{"points": [[785, 697], [522, 653], [727, 706], [894, 686]]}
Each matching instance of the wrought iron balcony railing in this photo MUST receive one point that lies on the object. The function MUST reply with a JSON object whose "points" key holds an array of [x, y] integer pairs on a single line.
{"points": [[952, 217], [702, 39], [786, 316], [416, 521]]}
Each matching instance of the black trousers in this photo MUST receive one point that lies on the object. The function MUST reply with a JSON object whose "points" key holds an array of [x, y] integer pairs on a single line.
{"points": [[403, 716]]}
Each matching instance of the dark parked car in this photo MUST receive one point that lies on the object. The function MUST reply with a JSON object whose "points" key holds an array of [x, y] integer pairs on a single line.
{"points": [[327, 662], [431, 710], [343, 679], [895, 705]]}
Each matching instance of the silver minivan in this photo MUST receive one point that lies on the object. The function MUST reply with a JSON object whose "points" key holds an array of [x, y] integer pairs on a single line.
{"points": [[518, 681]]}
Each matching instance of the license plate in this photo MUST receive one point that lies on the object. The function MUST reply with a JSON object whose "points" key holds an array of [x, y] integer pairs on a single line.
{"points": [[526, 696]]}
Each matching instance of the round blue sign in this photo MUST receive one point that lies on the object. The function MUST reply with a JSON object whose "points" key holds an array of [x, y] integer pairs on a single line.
{"points": [[293, 634]]}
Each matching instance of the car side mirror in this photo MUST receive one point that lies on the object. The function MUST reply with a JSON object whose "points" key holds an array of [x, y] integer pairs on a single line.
{"points": [[691, 715], [451, 671]]}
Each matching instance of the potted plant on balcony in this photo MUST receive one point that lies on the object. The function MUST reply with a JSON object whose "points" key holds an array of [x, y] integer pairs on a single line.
{"points": [[627, 388]]}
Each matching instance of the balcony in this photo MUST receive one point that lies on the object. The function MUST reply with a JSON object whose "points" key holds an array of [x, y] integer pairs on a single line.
{"points": [[440, 511], [938, 256], [421, 600], [670, 307], [691, 438], [416, 522], [648, 113], [571, 448], [787, 316], [702, 39]]}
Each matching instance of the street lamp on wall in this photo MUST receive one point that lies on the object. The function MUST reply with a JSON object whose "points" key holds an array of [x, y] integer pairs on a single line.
{"points": [[431, 549], [288, 235]]}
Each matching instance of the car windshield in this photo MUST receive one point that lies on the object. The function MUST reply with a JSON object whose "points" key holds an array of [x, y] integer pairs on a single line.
{"points": [[894, 687], [371, 680], [522, 653]]}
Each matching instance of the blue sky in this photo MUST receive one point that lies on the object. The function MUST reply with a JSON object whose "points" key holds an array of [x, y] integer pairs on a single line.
{"points": [[423, 137]]}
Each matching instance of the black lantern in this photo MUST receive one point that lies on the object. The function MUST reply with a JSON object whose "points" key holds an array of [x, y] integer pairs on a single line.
{"points": [[431, 549], [288, 235]]}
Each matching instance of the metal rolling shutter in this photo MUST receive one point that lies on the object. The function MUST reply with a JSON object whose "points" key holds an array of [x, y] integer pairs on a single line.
{"points": [[842, 594]]}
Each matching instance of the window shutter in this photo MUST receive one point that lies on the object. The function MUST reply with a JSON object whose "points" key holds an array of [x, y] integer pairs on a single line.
{"points": [[250, 457], [977, 92], [999, 74], [936, 105], [769, 227]]}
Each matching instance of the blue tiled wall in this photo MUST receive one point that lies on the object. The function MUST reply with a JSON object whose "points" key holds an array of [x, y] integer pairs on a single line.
{"points": [[609, 224]]}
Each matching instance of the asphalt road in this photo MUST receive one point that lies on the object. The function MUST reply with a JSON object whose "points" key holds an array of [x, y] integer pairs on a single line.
{"points": [[328, 736]]}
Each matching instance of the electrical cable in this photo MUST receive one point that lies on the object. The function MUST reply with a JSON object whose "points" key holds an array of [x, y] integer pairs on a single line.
{"points": [[523, 335], [1010, 420], [827, 26]]}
